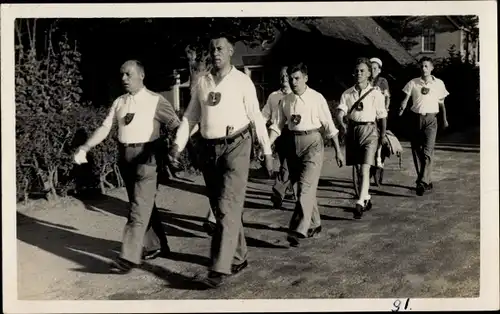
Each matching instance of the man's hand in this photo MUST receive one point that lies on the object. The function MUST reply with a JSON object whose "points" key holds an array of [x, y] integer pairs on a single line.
{"points": [[401, 111], [339, 157], [173, 157], [382, 140], [342, 130], [445, 124], [80, 157], [268, 163]]}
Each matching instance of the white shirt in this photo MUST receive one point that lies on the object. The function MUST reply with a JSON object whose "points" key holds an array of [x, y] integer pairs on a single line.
{"points": [[237, 107], [149, 109], [312, 108], [428, 103], [272, 103], [373, 104]]}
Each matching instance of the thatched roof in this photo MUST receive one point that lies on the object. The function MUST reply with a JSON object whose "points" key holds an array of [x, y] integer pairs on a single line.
{"points": [[359, 30]]}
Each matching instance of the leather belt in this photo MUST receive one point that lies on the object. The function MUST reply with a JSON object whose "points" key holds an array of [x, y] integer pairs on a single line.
{"points": [[228, 139], [356, 123], [304, 132], [135, 144], [425, 114]]}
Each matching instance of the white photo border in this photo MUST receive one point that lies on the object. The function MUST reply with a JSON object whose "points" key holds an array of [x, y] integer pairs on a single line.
{"points": [[489, 248]]}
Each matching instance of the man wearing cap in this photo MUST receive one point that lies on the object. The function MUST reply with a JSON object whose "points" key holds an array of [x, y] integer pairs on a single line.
{"points": [[428, 94], [225, 103], [379, 81], [364, 106], [139, 114], [282, 180], [305, 111]]}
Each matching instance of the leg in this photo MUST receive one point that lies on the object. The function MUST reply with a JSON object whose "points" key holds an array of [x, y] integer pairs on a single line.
{"points": [[310, 171], [229, 243], [416, 146], [430, 132], [140, 213], [155, 238], [281, 182]]}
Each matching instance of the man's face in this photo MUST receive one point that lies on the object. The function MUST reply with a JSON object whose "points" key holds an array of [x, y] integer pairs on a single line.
{"points": [[426, 67], [362, 73], [132, 77], [298, 82], [221, 52], [376, 69], [284, 79]]}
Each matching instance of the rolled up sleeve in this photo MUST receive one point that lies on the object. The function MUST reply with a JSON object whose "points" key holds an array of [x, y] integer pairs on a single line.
{"points": [[251, 103], [278, 118], [165, 114], [190, 119], [443, 91], [325, 117], [408, 87], [343, 103], [379, 100]]}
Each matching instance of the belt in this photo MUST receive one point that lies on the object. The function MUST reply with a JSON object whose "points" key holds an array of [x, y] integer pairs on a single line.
{"points": [[425, 114], [356, 123], [228, 139], [304, 132], [135, 144]]}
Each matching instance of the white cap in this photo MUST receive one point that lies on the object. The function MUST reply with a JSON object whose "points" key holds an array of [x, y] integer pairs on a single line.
{"points": [[376, 60]]}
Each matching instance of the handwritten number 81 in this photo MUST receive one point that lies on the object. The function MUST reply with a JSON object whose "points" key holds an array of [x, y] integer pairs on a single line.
{"points": [[397, 305]]}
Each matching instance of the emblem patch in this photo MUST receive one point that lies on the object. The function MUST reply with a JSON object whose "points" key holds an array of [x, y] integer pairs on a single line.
{"points": [[296, 118], [214, 98], [128, 118]]}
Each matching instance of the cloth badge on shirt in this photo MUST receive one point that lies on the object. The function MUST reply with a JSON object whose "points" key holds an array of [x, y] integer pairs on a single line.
{"points": [[359, 106], [128, 118], [424, 90], [214, 98], [296, 118]]}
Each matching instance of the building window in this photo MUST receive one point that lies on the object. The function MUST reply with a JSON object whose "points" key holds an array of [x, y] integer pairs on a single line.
{"points": [[429, 40]]}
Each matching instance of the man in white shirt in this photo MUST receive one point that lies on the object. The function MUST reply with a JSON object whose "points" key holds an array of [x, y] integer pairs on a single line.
{"points": [[305, 111], [363, 105], [282, 180], [139, 114], [428, 94], [225, 103]]}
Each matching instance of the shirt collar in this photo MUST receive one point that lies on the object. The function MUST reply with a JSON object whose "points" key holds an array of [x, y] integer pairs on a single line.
{"points": [[433, 79], [355, 91], [139, 93]]}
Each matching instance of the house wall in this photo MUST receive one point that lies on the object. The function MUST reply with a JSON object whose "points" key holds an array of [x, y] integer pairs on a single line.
{"points": [[444, 41]]}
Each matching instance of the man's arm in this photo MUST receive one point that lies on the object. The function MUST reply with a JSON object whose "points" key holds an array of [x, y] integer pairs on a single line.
{"points": [[442, 107], [407, 90], [102, 132], [325, 117], [266, 111], [341, 112], [251, 104], [381, 114], [278, 120], [190, 119], [165, 113]]}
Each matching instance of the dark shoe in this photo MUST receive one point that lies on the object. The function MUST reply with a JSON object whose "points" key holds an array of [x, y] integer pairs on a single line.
{"points": [[213, 279], [236, 268], [314, 231], [209, 227], [293, 240], [429, 187], [277, 202], [121, 266], [368, 205], [358, 211], [420, 189], [149, 255]]}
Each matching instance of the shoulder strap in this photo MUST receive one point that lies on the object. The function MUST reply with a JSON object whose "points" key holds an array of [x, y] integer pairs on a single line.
{"points": [[359, 100]]}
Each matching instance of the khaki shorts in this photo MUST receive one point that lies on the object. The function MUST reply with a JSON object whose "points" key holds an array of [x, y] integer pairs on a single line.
{"points": [[361, 144]]}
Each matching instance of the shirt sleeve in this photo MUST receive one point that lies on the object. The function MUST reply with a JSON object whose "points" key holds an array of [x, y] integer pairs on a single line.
{"points": [[165, 114], [408, 87], [384, 86], [325, 116], [380, 110], [443, 91], [266, 111], [278, 118], [343, 103], [190, 119], [251, 103], [111, 117]]}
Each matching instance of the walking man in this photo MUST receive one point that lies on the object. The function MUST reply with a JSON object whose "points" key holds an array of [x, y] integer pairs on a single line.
{"points": [[305, 111], [282, 181], [428, 94], [139, 114], [225, 103], [363, 105]]}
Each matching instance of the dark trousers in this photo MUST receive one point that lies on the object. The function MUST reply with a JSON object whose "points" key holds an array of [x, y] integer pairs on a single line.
{"points": [[143, 228], [305, 159], [424, 130], [226, 174], [282, 181]]}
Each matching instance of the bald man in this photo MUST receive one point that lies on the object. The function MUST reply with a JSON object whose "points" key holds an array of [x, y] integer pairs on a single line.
{"points": [[139, 114]]}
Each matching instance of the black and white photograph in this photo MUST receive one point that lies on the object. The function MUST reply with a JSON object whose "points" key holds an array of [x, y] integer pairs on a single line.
{"points": [[268, 156]]}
